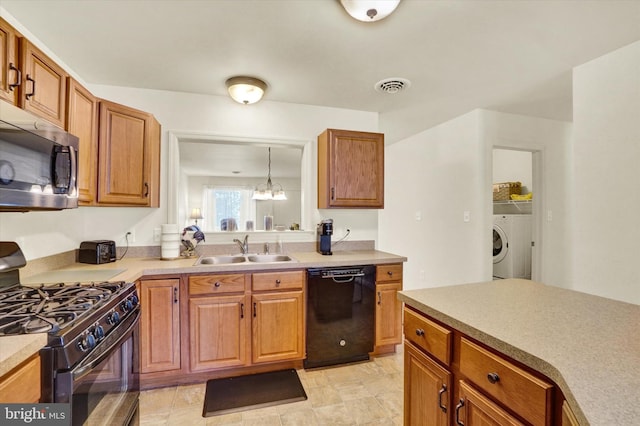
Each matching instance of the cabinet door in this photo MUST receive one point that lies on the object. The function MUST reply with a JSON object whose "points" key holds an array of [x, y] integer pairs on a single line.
{"points": [[9, 74], [388, 314], [475, 409], [129, 152], [22, 384], [82, 121], [44, 86], [159, 325], [427, 390], [218, 332], [277, 326], [350, 169]]}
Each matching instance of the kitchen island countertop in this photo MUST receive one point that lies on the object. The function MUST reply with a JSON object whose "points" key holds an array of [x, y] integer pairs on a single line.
{"points": [[16, 349], [588, 345]]}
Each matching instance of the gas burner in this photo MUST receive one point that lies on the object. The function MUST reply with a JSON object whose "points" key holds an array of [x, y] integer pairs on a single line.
{"points": [[51, 308]]}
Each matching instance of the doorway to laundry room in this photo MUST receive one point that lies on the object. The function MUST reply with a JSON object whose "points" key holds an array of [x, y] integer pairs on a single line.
{"points": [[516, 188]]}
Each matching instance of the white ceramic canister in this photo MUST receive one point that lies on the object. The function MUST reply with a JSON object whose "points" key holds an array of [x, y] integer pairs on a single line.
{"points": [[170, 242]]}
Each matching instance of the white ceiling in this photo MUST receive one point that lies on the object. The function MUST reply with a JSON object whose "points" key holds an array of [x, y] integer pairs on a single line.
{"points": [[508, 55]]}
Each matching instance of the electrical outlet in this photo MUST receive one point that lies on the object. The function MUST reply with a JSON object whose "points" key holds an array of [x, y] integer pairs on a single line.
{"points": [[157, 234], [466, 216], [131, 235]]}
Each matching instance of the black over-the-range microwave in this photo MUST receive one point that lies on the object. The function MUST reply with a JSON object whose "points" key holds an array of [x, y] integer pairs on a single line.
{"points": [[38, 163]]}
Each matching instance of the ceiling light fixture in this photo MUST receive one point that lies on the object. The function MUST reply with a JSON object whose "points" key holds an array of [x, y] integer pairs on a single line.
{"points": [[369, 10], [246, 90], [269, 191]]}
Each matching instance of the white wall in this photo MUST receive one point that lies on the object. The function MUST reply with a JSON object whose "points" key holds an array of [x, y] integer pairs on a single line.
{"points": [[446, 170], [437, 175], [45, 233], [606, 151], [552, 209], [513, 166]]}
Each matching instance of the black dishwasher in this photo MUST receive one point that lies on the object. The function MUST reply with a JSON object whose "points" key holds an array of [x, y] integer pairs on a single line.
{"points": [[340, 315]]}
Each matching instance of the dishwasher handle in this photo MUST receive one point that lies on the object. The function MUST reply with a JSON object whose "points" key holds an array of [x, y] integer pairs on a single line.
{"points": [[343, 278]]}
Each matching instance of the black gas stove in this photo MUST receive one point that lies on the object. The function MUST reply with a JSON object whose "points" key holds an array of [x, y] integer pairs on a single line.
{"points": [[92, 343], [75, 316]]}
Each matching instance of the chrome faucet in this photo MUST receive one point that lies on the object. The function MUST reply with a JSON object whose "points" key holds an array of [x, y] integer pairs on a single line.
{"points": [[244, 245]]}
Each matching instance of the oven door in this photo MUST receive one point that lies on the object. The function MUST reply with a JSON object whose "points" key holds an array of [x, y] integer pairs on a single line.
{"points": [[104, 388]]}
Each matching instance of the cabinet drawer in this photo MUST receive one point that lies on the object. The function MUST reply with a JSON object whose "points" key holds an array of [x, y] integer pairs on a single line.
{"points": [[428, 335], [391, 272], [515, 388], [216, 284], [278, 280]]}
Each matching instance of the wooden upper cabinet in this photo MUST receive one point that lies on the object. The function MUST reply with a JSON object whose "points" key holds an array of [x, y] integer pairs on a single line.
{"points": [[82, 121], [44, 84], [350, 169], [10, 76], [129, 156]]}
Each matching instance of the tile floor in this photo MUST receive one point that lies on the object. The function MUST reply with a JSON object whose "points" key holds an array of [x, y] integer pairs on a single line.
{"points": [[368, 393]]}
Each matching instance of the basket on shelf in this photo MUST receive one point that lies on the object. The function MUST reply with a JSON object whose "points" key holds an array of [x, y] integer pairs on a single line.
{"points": [[502, 191]]}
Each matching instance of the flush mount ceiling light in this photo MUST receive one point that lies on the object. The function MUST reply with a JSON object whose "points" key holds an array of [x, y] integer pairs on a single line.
{"points": [[246, 90], [392, 85], [269, 191], [369, 10]]}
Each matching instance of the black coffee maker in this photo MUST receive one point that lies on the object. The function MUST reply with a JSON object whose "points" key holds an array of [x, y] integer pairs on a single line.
{"points": [[325, 229]]}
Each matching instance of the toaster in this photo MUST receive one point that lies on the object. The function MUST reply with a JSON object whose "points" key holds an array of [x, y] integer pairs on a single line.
{"points": [[98, 251]]}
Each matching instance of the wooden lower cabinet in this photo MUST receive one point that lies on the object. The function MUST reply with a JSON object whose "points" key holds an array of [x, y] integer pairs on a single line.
{"points": [[278, 326], [475, 409], [22, 384], [427, 398], [218, 332], [244, 320], [159, 325], [388, 315], [483, 387]]}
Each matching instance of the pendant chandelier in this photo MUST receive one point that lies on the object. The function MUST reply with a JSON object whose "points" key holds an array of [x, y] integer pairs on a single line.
{"points": [[269, 191]]}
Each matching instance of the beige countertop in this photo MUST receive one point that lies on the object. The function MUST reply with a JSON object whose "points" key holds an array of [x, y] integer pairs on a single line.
{"points": [[588, 345], [131, 269], [15, 349]]}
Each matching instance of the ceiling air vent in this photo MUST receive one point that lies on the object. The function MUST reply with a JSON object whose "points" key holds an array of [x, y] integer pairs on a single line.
{"points": [[392, 85]]}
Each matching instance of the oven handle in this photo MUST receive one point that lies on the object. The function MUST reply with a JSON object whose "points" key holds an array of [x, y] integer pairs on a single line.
{"points": [[86, 367]]}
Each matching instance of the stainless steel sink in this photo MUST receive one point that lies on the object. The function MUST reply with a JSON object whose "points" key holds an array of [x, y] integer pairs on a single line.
{"points": [[264, 258], [220, 260], [239, 258]]}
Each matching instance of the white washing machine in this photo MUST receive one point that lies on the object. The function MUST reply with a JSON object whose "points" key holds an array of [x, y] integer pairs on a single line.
{"points": [[512, 246]]}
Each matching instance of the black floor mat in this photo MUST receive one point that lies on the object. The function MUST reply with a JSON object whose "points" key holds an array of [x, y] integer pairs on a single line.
{"points": [[254, 391]]}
